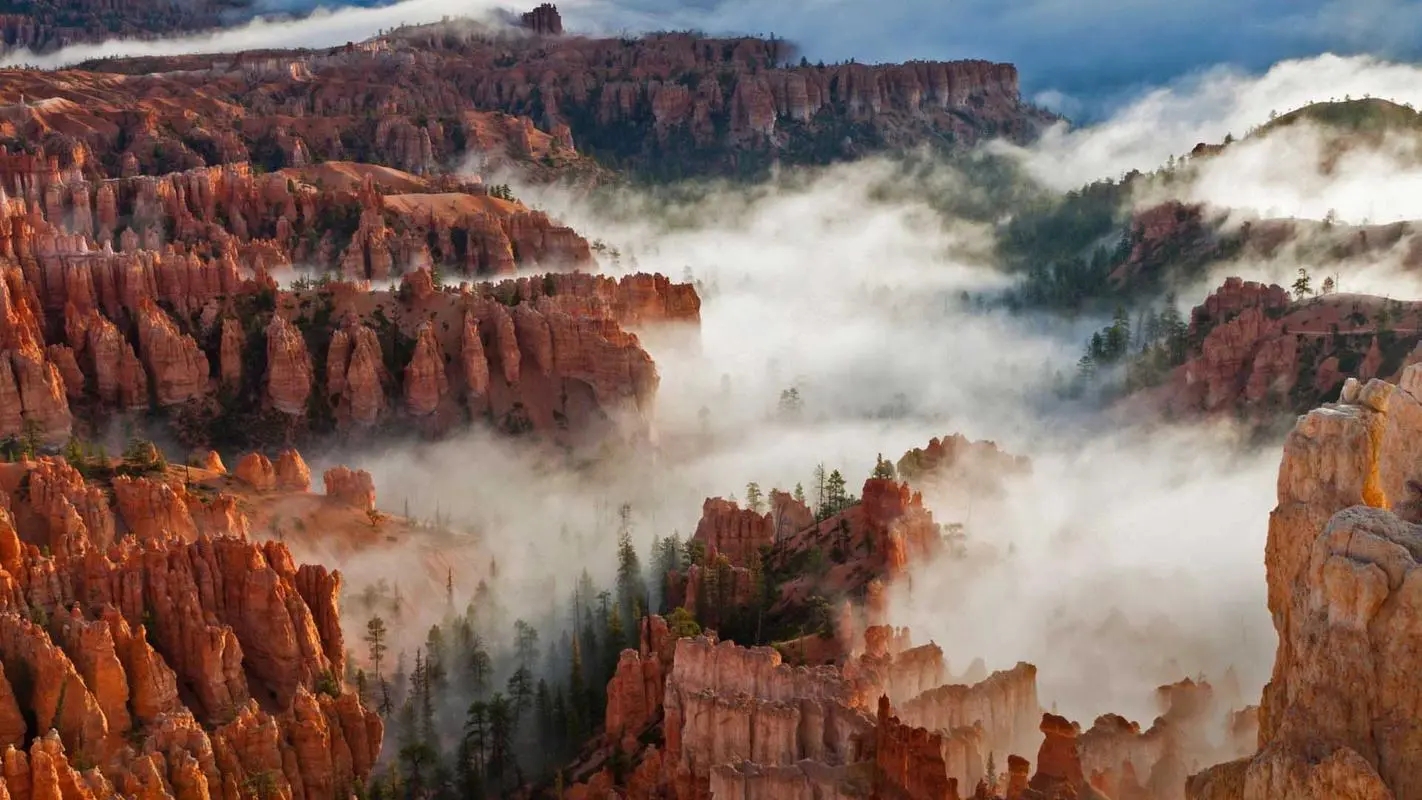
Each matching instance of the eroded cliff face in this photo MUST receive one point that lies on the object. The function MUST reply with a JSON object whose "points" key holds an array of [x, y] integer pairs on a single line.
{"points": [[1255, 351], [741, 720], [1338, 718], [174, 661], [699, 104], [176, 323], [669, 104]]}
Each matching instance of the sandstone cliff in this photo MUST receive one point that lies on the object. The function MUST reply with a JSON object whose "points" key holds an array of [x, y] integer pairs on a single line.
{"points": [[1335, 719], [1256, 352], [669, 105], [739, 720], [232, 353]]}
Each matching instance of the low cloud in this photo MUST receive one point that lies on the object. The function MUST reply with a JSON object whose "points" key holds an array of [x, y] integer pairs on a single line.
{"points": [[856, 300], [324, 27], [1171, 120]]}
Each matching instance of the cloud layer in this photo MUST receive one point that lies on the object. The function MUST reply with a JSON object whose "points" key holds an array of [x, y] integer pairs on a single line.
{"points": [[855, 300], [1171, 120]]}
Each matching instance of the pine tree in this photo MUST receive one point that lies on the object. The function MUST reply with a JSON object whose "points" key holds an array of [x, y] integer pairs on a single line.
{"points": [[436, 657], [468, 773], [577, 692], [427, 709], [819, 486], [543, 712], [480, 666], [883, 470], [631, 589], [520, 688], [754, 499], [476, 733], [799, 494], [525, 643], [375, 640], [835, 499]]}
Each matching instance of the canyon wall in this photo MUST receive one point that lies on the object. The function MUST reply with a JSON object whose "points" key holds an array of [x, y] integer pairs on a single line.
{"points": [[87, 327], [424, 98], [1251, 349]]}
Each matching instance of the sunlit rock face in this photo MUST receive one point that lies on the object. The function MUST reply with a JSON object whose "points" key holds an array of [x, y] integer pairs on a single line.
{"points": [[1338, 717], [178, 661]]}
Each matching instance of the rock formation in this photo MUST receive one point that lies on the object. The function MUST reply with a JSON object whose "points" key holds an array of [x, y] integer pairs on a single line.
{"points": [[352, 487], [1259, 353], [181, 665], [289, 371], [292, 474], [256, 470], [739, 720], [416, 99], [1336, 718]]}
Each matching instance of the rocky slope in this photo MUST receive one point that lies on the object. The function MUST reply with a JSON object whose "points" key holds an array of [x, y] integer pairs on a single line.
{"points": [[1252, 350], [150, 650], [1337, 719], [766, 571]]}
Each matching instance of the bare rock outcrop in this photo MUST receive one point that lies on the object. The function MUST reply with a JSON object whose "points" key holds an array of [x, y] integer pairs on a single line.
{"points": [[292, 474], [727, 529], [356, 374], [426, 384], [256, 470], [289, 371], [908, 761], [635, 692], [1337, 717], [177, 367], [352, 487], [153, 510]]}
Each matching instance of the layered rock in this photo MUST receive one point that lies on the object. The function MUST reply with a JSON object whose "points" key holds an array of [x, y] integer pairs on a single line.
{"points": [[289, 371], [425, 382], [726, 704], [352, 487], [1252, 350], [956, 460], [291, 472], [256, 470], [635, 693], [178, 368], [1337, 717], [182, 666], [726, 528], [1004, 705], [910, 762], [355, 374]]}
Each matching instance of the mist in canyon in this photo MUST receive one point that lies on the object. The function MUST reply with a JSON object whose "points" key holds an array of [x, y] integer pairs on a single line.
{"points": [[1141, 550], [1128, 557]]}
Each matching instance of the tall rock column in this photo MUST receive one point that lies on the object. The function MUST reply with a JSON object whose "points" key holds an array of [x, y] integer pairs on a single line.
{"points": [[1341, 717]]}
